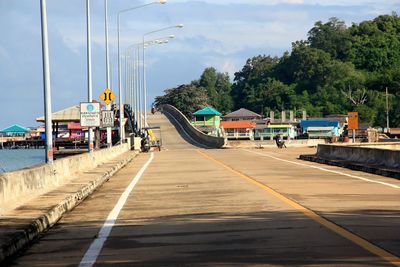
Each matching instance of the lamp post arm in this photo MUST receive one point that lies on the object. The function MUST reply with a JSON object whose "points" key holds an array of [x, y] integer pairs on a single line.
{"points": [[163, 29]]}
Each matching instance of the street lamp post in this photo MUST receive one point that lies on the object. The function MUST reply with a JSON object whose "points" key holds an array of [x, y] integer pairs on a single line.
{"points": [[144, 66], [133, 52], [47, 85], [89, 70], [121, 106], [109, 142]]}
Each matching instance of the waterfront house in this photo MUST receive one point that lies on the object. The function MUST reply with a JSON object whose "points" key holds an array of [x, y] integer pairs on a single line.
{"points": [[207, 120], [238, 129], [269, 131], [321, 128], [14, 131]]}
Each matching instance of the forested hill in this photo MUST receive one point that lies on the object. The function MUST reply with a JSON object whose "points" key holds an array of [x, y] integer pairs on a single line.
{"points": [[336, 70]]}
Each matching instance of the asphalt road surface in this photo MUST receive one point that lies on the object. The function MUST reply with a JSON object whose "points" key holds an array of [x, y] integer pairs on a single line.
{"points": [[229, 207]]}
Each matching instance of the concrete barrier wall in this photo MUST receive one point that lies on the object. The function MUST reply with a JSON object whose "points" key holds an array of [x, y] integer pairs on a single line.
{"points": [[19, 186], [272, 143], [369, 154], [198, 137]]}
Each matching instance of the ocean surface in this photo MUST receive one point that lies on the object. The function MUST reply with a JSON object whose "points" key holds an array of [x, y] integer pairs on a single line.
{"points": [[15, 159]]}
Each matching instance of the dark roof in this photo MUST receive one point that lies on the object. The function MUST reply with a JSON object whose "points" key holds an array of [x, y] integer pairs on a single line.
{"points": [[207, 111], [243, 113], [335, 117]]}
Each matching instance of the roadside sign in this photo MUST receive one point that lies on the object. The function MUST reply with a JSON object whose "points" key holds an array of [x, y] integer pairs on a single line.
{"points": [[107, 96], [353, 120], [90, 114], [107, 118]]}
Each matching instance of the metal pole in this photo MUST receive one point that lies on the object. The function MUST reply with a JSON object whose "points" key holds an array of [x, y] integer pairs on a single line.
{"points": [[131, 87], [121, 105], [130, 75], [47, 85], [136, 84], [127, 85], [144, 85], [140, 91], [133, 82], [387, 110], [109, 142], [89, 71], [144, 68]]}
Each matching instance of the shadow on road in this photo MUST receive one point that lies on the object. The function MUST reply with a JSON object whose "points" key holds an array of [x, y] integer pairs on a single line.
{"points": [[202, 239]]}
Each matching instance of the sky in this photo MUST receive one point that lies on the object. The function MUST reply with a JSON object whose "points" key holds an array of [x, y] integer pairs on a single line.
{"points": [[217, 33]]}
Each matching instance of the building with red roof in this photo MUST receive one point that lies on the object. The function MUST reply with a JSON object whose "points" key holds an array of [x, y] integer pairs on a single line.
{"points": [[242, 129]]}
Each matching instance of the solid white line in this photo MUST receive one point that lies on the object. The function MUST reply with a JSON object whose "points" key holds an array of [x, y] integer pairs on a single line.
{"points": [[326, 170], [93, 252]]}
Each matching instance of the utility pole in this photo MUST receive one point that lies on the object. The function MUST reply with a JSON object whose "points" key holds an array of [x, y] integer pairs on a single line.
{"points": [[387, 110], [47, 85]]}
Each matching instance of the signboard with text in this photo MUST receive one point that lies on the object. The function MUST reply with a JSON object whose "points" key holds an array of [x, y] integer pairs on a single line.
{"points": [[107, 118], [90, 114], [353, 120]]}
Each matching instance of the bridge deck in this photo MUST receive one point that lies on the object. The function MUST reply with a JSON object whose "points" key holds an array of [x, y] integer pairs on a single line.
{"points": [[236, 207]]}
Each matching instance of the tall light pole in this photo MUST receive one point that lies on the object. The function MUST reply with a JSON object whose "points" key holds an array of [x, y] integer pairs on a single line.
{"points": [[89, 70], [46, 84], [121, 106], [108, 83], [133, 52], [144, 67]]}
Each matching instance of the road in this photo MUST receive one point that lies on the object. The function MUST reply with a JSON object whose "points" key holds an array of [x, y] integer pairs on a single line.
{"points": [[228, 207]]}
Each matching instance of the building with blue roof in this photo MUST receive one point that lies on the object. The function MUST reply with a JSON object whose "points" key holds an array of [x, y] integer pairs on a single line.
{"points": [[321, 128]]}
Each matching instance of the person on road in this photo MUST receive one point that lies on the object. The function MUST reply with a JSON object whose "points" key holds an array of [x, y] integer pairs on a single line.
{"points": [[280, 143]]}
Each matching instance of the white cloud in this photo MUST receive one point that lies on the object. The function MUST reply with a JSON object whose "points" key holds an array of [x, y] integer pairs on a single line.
{"points": [[229, 66]]}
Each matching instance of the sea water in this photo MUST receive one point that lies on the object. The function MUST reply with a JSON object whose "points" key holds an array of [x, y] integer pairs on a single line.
{"points": [[15, 159]]}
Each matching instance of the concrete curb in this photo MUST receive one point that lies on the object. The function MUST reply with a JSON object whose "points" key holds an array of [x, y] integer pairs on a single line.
{"points": [[393, 173], [39, 225]]}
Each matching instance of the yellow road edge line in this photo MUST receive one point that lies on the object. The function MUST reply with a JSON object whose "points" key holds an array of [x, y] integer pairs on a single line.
{"points": [[393, 259]]}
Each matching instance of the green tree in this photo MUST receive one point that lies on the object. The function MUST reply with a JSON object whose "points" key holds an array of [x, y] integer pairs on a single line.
{"points": [[256, 71], [306, 66], [376, 43], [218, 86], [208, 81], [224, 87], [331, 37], [187, 98]]}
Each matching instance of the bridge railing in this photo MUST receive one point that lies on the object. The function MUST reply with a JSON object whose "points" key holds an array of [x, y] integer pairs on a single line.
{"points": [[196, 137]]}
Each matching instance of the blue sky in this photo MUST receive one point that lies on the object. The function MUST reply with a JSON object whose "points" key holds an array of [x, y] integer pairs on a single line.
{"points": [[218, 33]]}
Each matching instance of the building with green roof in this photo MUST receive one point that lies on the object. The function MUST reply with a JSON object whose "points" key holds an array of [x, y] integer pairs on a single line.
{"points": [[14, 130], [208, 120]]}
